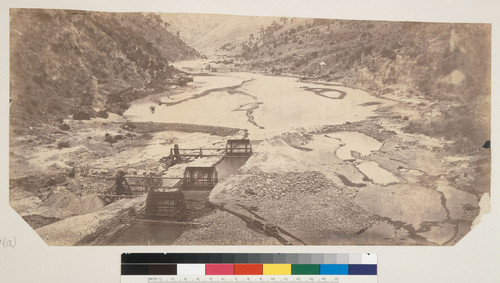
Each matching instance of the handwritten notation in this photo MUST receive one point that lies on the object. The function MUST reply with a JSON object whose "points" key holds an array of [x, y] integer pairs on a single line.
{"points": [[8, 242]]}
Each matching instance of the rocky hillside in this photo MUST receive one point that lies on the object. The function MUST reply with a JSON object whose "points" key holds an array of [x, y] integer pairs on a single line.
{"points": [[208, 32], [65, 62], [447, 65]]}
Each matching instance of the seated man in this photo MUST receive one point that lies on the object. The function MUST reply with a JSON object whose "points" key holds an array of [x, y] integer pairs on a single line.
{"points": [[121, 185]]}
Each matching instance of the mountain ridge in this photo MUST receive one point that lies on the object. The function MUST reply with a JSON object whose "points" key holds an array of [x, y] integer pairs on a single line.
{"points": [[66, 61]]}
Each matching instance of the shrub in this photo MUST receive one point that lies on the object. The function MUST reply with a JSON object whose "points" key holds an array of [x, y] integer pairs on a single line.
{"points": [[128, 126], [63, 144], [81, 115], [118, 137], [64, 127], [102, 114], [109, 138], [387, 53], [54, 106]]}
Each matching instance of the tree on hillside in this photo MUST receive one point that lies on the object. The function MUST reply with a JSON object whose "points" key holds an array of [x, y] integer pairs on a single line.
{"points": [[251, 38]]}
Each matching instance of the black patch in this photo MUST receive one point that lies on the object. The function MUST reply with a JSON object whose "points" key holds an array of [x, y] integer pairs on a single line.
{"points": [[487, 144]]}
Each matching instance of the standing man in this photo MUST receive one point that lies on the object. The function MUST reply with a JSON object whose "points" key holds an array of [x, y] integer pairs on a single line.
{"points": [[177, 154]]}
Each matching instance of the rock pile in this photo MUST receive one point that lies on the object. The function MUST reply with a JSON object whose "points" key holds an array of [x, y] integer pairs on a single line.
{"points": [[307, 204], [222, 228], [277, 185], [73, 203]]}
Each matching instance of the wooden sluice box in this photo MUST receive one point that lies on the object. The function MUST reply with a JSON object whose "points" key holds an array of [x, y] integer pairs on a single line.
{"points": [[240, 147], [234, 148], [171, 204], [200, 178]]}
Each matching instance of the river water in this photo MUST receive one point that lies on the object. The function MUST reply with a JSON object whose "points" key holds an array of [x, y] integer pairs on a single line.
{"points": [[264, 105], [267, 106]]}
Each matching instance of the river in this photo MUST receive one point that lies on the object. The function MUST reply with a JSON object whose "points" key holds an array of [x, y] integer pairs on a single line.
{"points": [[265, 105]]}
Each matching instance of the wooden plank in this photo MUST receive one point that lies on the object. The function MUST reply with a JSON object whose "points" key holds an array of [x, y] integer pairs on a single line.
{"points": [[156, 187], [203, 155], [153, 178], [220, 148], [123, 196], [260, 223], [169, 222]]}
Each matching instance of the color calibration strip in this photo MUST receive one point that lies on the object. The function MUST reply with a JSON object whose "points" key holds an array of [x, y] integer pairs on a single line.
{"points": [[248, 267]]}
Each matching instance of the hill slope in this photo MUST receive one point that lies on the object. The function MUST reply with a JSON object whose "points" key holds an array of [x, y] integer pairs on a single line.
{"points": [[66, 61], [447, 65], [207, 32]]}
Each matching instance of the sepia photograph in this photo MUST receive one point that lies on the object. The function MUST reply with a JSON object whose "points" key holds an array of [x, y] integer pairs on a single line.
{"points": [[138, 129]]}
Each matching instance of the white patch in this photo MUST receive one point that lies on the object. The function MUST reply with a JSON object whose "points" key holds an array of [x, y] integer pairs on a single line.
{"points": [[484, 208], [377, 174]]}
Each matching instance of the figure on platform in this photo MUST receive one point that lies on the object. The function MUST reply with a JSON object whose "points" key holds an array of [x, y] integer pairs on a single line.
{"points": [[121, 185], [177, 154]]}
